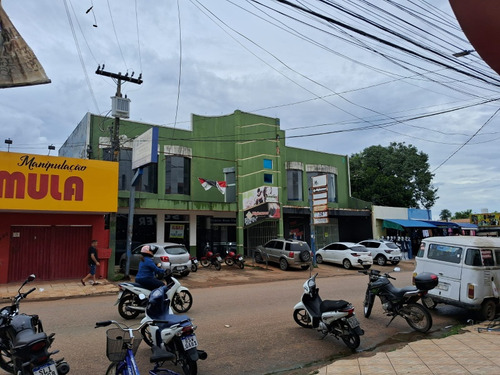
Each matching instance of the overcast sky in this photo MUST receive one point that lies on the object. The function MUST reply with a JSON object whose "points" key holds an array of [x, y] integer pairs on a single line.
{"points": [[337, 84]]}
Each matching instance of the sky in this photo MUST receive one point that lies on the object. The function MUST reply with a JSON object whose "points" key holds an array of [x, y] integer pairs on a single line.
{"points": [[339, 79]]}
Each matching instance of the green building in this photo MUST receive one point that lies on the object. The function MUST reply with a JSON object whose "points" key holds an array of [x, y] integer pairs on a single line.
{"points": [[230, 182]]}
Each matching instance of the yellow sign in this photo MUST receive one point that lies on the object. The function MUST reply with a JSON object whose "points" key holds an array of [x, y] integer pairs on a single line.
{"points": [[51, 183]]}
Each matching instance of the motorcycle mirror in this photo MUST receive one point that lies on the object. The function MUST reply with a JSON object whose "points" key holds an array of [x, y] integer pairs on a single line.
{"points": [[31, 277], [397, 269]]}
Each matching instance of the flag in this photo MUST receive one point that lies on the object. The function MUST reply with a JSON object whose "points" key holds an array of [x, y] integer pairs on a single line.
{"points": [[208, 184]]}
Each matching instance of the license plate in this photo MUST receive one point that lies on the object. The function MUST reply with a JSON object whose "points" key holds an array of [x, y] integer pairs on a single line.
{"points": [[180, 268], [219, 259], [189, 342], [353, 322], [428, 302], [442, 286], [47, 369]]}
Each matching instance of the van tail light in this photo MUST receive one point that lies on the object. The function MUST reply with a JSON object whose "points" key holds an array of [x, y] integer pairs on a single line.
{"points": [[470, 291], [164, 259]]}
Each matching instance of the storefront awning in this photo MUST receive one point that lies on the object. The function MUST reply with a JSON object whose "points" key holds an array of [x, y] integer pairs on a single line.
{"points": [[400, 224], [443, 224], [467, 226]]}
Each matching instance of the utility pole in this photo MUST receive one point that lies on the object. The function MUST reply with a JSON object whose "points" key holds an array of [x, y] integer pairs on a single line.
{"points": [[120, 108]]}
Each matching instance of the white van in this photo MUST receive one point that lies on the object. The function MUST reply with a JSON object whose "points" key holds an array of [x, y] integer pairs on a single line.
{"points": [[468, 268]]}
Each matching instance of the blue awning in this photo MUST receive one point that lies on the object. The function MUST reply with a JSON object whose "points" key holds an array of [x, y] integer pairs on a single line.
{"points": [[401, 224], [443, 224], [467, 226]]}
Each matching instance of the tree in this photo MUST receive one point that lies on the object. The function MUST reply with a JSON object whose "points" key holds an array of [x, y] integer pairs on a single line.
{"points": [[462, 214], [445, 215], [397, 175]]}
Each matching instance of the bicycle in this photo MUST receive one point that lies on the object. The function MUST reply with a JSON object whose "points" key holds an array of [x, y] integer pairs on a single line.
{"points": [[121, 346]]}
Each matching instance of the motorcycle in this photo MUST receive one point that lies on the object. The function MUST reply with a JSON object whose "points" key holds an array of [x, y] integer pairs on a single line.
{"points": [[194, 263], [175, 333], [330, 317], [24, 346], [211, 259], [232, 259], [400, 301], [129, 295]]}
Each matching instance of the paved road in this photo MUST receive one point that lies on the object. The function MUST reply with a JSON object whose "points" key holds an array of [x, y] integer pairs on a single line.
{"points": [[246, 329]]}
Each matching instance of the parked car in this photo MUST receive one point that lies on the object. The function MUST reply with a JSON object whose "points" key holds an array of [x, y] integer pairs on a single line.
{"points": [[383, 251], [172, 256], [285, 252], [348, 254]]}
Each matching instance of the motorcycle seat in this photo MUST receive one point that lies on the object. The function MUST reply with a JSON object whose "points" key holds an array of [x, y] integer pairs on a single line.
{"points": [[170, 318], [331, 305], [160, 355], [399, 292], [27, 337]]}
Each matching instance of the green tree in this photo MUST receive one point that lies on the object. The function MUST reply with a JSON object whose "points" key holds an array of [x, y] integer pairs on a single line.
{"points": [[462, 214], [397, 175], [445, 215]]}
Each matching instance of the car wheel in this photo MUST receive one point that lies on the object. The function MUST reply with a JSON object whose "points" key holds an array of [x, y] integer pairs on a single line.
{"points": [[258, 258], [305, 256], [347, 264], [283, 264], [319, 259], [380, 259]]}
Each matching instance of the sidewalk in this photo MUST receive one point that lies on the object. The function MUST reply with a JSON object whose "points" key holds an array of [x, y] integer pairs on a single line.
{"points": [[476, 351]]}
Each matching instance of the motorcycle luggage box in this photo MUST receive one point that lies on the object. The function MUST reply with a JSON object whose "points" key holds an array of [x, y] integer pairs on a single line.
{"points": [[426, 281]]}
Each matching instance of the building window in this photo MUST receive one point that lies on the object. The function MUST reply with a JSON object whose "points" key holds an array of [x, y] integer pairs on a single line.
{"points": [[268, 178], [178, 172], [268, 164], [332, 184], [294, 185]]}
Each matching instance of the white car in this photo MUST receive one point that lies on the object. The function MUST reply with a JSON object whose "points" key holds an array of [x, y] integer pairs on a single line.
{"points": [[348, 254], [383, 251]]}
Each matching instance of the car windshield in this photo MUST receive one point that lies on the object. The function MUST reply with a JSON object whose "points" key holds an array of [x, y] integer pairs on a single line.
{"points": [[175, 250], [391, 245], [359, 249]]}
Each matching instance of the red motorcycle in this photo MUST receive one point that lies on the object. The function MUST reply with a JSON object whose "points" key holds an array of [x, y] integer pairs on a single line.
{"points": [[232, 259], [210, 259]]}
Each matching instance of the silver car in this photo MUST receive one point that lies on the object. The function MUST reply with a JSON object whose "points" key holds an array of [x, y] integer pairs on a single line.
{"points": [[285, 252], [172, 256], [383, 251]]}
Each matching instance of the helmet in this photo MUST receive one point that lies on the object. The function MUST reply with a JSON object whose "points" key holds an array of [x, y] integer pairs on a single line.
{"points": [[147, 250]]}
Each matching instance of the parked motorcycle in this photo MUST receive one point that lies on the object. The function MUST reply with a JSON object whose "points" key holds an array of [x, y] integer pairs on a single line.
{"points": [[400, 301], [129, 295], [232, 259], [175, 334], [194, 263], [330, 317], [211, 259], [24, 346]]}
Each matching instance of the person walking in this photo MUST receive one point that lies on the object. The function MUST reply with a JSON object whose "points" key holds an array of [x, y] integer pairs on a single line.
{"points": [[93, 262]]}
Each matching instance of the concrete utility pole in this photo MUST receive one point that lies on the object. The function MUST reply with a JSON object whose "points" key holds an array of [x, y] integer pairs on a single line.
{"points": [[115, 145]]}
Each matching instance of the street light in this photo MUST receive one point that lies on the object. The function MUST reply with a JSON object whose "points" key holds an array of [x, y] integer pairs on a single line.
{"points": [[51, 147], [8, 141], [463, 53]]}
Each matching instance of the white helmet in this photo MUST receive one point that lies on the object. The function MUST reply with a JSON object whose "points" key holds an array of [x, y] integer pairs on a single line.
{"points": [[146, 249]]}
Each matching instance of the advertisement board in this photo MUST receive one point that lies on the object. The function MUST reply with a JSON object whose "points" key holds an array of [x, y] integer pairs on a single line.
{"points": [[50, 183]]}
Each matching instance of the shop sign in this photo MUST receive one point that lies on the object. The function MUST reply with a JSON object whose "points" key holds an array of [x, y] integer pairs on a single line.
{"points": [[51, 183]]}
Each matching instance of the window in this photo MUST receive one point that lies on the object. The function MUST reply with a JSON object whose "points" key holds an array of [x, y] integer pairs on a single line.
{"points": [[268, 178], [445, 253], [178, 172], [268, 164], [294, 185], [473, 257]]}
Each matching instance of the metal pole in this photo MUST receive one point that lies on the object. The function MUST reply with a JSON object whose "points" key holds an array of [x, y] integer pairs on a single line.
{"points": [[130, 225]]}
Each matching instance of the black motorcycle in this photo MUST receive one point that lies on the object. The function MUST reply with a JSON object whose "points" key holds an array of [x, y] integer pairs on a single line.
{"points": [[24, 346], [400, 301]]}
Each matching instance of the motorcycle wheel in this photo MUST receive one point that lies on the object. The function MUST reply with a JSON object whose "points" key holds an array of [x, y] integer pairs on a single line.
{"points": [[189, 367], [128, 299], [147, 337], [368, 303], [418, 317], [229, 261], [205, 262], [194, 267], [241, 265], [182, 301], [217, 265], [352, 339], [302, 318], [6, 361]]}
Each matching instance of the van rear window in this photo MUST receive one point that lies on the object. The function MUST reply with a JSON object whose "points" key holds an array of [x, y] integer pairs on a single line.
{"points": [[476, 257], [445, 253]]}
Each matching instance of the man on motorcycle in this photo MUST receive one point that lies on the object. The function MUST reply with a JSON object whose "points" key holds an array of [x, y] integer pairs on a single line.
{"points": [[146, 276]]}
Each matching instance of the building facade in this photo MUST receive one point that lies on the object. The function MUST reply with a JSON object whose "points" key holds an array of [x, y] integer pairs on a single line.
{"points": [[229, 181]]}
